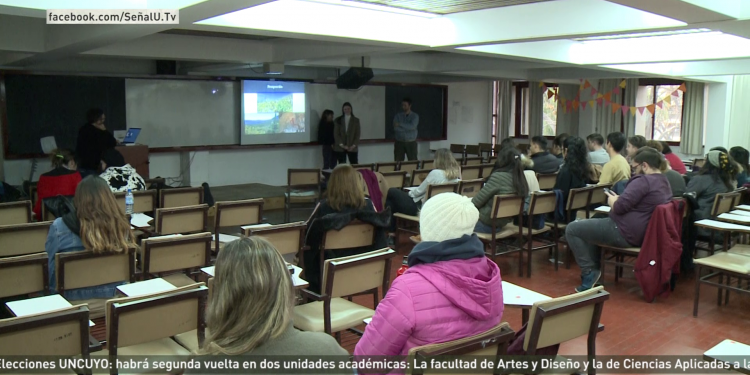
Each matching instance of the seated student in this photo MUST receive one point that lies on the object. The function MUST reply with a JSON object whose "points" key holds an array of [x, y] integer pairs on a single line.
{"points": [[575, 172], [450, 291], [544, 162], [674, 161], [557, 145], [597, 153], [617, 168], [344, 202], [507, 178], [742, 157], [507, 142], [250, 309], [676, 181], [713, 178], [119, 175], [628, 219], [635, 143], [446, 171], [61, 180], [97, 223]]}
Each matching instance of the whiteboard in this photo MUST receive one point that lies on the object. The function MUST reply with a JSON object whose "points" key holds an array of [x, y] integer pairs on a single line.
{"points": [[368, 104], [173, 113]]}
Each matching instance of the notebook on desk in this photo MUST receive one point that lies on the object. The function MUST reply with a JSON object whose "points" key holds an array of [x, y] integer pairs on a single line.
{"points": [[40, 305]]}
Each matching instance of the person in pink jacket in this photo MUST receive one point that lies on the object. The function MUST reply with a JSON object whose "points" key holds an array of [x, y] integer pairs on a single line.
{"points": [[450, 291]]}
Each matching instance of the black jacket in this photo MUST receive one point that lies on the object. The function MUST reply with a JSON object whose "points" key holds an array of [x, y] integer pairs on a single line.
{"points": [[325, 219], [544, 162], [325, 133], [91, 143], [566, 181]]}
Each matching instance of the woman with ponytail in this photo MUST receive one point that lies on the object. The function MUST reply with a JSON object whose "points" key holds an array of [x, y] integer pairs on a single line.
{"points": [[507, 178], [715, 177], [61, 180]]}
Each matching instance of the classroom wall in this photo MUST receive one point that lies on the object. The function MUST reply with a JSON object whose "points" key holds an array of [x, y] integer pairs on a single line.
{"points": [[469, 114]]}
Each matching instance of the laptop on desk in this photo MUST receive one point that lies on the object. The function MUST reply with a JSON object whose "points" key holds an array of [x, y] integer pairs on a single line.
{"points": [[131, 136]]}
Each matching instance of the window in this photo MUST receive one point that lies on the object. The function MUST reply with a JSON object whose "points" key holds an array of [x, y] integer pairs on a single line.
{"points": [[665, 123], [519, 114]]}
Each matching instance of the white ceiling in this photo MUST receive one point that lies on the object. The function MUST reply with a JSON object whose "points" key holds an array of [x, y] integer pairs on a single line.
{"points": [[534, 40]]}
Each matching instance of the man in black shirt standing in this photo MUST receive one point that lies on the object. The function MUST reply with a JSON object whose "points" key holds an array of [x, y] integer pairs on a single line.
{"points": [[93, 140]]}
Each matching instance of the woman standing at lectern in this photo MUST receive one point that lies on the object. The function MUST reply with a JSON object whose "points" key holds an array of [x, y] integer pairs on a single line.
{"points": [[346, 135], [93, 140]]}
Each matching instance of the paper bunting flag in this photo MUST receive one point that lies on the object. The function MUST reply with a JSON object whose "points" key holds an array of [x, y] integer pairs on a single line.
{"points": [[622, 84], [569, 105], [586, 84], [616, 90], [550, 94], [650, 108], [632, 111], [682, 88], [583, 105], [541, 84], [608, 97], [668, 99], [625, 110], [599, 101], [676, 93], [593, 91], [575, 103], [591, 103], [615, 107], [599, 95], [640, 110], [660, 104]]}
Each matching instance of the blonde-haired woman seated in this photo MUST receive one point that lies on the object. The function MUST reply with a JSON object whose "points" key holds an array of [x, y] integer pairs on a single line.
{"points": [[344, 202], [251, 305], [96, 223], [446, 170]]}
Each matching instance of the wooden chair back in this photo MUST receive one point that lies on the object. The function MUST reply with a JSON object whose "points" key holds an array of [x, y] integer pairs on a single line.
{"points": [[15, 213], [355, 234], [24, 274], [471, 172], [472, 150], [542, 203], [507, 206], [434, 190], [546, 181], [409, 166], [419, 175], [428, 164], [457, 148], [557, 320], [303, 178], [236, 214], [724, 202], [364, 166], [493, 342], [180, 197], [485, 147], [138, 320], [288, 239], [21, 239], [172, 254], [597, 194], [698, 163], [470, 188], [355, 274], [386, 167], [486, 170], [144, 201], [62, 333], [395, 179], [183, 220], [81, 269], [473, 160]]}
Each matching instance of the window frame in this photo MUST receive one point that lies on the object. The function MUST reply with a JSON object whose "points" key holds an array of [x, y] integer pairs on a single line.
{"points": [[518, 86], [644, 82]]}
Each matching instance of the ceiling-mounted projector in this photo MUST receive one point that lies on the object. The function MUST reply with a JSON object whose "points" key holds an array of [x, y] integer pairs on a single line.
{"points": [[273, 68], [354, 78]]}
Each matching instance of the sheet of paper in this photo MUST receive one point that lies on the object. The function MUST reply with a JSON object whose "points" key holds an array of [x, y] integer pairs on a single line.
{"points": [[209, 270], [40, 305], [410, 188], [145, 287], [732, 217], [368, 320], [743, 207], [140, 220], [227, 238], [603, 209], [740, 212], [728, 348], [514, 295], [722, 225], [255, 226], [167, 236], [48, 144]]}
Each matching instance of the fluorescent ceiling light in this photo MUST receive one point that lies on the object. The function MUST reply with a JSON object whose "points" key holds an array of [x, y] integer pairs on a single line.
{"points": [[100, 4], [642, 35], [378, 7], [712, 45], [304, 17]]}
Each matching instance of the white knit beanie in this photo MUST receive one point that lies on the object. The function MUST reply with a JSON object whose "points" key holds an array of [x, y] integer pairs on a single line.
{"points": [[447, 216]]}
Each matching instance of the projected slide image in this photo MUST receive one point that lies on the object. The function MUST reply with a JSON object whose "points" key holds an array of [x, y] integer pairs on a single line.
{"points": [[274, 112]]}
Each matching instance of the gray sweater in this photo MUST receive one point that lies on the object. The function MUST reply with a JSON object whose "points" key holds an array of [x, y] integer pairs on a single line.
{"points": [[705, 187], [296, 342]]}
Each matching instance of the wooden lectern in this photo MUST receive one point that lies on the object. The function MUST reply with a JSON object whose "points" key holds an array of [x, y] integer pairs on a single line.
{"points": [[137, 157]]}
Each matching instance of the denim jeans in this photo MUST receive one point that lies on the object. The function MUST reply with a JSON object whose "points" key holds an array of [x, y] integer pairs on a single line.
{"points": [[584, 236]]}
